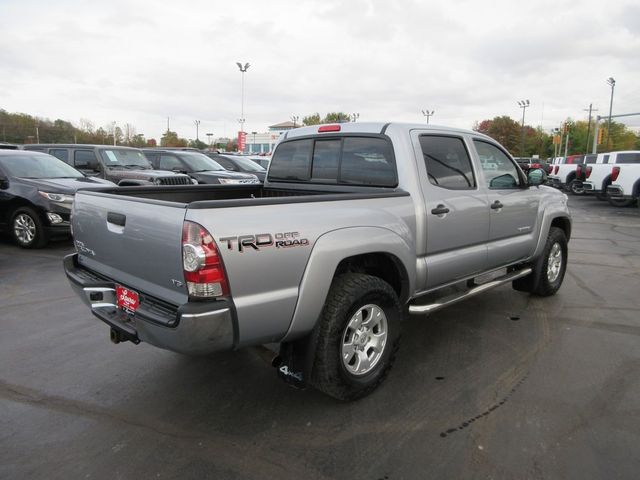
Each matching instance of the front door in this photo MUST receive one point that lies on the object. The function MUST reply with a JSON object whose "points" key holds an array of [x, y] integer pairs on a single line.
{"points": [[513, 206], [456, 208]]}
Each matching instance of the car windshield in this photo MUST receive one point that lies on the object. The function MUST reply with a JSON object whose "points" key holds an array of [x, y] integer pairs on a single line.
{"points": [[199, 162], [248, 165], [121, 157], [37, 165]]}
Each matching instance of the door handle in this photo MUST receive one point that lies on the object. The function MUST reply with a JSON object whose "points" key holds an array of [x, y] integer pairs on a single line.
{"points": [[496, 205], [116, 218], [440, 210]]}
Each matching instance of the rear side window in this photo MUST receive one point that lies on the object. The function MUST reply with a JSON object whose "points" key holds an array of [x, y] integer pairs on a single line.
{"points": [[447, 162], [60, 153], [169, 162], [605, 159], [628, 158], [590, 158]]}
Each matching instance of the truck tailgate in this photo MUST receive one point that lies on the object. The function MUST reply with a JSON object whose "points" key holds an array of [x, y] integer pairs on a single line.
{"points": [[136, 243]]}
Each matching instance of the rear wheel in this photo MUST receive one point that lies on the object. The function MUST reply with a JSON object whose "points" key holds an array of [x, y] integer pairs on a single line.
{"points": [[27, 228], [358, 336], [621, 202], [575, 187]]}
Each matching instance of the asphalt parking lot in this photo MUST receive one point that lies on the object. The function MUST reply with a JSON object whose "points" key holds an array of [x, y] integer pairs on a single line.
{"points": [[501, 386]]}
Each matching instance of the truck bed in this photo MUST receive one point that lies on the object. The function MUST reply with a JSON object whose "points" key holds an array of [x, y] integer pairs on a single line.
{"points": [[218, 196]]}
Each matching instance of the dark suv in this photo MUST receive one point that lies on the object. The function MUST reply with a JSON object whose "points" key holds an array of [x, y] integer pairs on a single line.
{"points": [[197, 165], [36, 194], [236, 163], [121, 165]]}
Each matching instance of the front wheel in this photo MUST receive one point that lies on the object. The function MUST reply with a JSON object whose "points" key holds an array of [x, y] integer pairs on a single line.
{"points": [[358, 336], [553, 264], [27, 229]]}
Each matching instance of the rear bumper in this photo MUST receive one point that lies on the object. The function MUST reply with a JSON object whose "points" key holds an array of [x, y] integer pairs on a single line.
{"points": [[616, 191], [193, 328], [555, 182]]}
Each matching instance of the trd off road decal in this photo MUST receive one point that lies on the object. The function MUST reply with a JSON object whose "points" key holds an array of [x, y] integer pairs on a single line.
{"points": [[261, 240]]}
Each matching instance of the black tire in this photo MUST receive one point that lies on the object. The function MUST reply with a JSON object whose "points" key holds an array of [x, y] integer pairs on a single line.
{"points": [[621, 202], [26, 219], [575, 187], [350, 293], [545, 285]]}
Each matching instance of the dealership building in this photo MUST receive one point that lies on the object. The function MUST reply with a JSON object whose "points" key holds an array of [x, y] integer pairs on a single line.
{"points": [[265, 142]]}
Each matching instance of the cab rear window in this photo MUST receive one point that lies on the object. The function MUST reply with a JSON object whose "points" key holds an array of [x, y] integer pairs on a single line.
{"points": [[352, 160]]}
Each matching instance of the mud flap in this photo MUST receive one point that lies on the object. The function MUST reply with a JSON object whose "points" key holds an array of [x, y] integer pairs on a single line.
{"points": [[296, 361]]}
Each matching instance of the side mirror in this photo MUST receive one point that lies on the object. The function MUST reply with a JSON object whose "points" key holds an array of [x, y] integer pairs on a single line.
{"points": [[4, 182], [536, 177]]}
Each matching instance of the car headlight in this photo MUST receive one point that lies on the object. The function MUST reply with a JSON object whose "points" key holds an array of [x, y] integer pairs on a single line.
{"points": [[228, 181], [57, 197]]}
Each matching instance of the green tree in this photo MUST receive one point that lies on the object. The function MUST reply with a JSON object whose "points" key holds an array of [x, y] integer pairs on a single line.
{"points": [[313, 119], [199, 144], [171, 139], [336, 117]]}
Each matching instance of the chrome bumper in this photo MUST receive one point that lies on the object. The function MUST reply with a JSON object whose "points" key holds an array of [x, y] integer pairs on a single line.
{"points": [[193, 328]]}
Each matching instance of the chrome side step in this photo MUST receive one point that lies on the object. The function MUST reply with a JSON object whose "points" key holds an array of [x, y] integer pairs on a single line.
{"points": [[458, 297]]}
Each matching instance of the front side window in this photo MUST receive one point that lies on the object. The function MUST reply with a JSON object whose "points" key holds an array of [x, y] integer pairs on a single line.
{"points": [[83, 158], [447, 162], [502, 173], [169, 162]]}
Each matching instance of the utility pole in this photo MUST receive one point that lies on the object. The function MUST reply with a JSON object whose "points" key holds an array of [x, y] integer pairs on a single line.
{"points": [[37, 134], [197, 123], [355, 117], [114, 134], [566, 142], [168, 130], [586, 150], [294, 119]]}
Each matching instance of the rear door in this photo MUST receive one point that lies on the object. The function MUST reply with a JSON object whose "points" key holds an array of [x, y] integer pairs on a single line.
{"points": [[136, 242], [457, 208], [513, 206]]}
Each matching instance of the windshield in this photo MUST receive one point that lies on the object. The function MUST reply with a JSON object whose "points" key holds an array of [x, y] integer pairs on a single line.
{"points": [[37, 165], [199, 162], [121, 157], [248, 165]]}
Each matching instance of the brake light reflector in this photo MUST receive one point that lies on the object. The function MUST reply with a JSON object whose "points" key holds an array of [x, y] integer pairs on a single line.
{"points": [[329, 128], [615, 171], [589, 170], [556, 168], [202, 264]]}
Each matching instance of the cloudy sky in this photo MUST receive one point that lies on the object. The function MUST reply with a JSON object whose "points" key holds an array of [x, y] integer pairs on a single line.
{"points": [[141, 61]]}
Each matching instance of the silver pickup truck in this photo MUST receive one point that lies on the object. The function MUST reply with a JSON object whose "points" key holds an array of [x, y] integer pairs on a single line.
{"points": [[356, 226]]}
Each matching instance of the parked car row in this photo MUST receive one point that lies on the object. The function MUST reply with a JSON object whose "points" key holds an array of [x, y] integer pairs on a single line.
{"points": [[612, 176], [38, 183]]}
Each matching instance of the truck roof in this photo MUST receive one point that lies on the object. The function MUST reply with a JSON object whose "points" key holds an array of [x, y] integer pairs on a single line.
{"points": [[375, 128]]}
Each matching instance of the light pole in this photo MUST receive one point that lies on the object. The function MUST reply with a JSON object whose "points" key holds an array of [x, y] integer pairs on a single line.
{"points": [[253, 146], [114, 134], [612, 83], [294, 119], [590, 110], [197, 124], [209, 135], [523, 104], [355, 117], [428, 114], [243, 70]]}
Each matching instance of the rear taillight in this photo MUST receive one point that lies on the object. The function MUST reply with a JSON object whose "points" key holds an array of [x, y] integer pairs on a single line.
{"points": [[555, 169], [202, 264], [579, 170], [615, 171], [589, 170], [535, 165], [329, 128]]}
